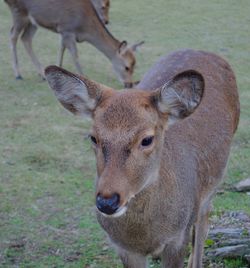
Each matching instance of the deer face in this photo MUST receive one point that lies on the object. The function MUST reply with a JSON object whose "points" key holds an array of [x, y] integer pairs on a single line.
{"points": [[128, 129], [127, 137], [124, 63]]}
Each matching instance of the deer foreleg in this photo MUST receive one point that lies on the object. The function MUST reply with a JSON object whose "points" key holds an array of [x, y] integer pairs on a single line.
{"points": [[132, 260], [14, 34], [27, 36], [173, 257], [199, 236]]}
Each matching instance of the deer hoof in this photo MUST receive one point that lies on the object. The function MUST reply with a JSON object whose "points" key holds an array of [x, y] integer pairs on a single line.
{"points": [[19, 77]]}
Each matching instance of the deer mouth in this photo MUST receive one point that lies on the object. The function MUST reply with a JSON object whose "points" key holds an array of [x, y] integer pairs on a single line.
{"points": [[113, 207], [118, 213], [121, 211], [128, 84]]}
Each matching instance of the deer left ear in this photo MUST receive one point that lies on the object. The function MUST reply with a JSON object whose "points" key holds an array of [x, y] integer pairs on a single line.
{"points": [[180, 96]]}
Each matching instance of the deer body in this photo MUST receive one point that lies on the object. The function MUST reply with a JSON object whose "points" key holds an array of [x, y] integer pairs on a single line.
{"points": [[161, 152], [75, 21]]}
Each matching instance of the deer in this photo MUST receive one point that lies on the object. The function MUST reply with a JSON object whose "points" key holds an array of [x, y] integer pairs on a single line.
{"points": [[102, 8], [161, 152], [75, 21]]}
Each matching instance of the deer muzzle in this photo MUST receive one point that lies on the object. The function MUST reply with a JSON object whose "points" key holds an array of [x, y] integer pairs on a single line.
{"points": [[108, 205]]}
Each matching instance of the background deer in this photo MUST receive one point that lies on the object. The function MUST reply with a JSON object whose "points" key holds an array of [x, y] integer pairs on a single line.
{"points": [[102, 8], [161, 152], [75, 21]]}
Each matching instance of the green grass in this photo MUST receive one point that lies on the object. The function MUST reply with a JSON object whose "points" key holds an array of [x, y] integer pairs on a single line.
{"points": [[47, 168]]}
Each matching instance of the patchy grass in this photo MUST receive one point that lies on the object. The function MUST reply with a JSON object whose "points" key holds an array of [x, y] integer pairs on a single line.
{"points": [[228, 263], [46, 165], [238, 263]]}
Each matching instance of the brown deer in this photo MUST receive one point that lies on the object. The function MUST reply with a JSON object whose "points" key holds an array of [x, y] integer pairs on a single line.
{"points": [[102, 8], [161, 152], [75, 21]]}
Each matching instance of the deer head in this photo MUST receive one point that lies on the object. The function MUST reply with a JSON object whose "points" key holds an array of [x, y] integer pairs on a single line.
{"points": [[128, 129], [124, 62]]}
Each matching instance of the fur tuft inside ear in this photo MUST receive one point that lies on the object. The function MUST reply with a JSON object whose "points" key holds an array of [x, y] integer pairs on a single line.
{"points": [[180, 96], [77, 94]]}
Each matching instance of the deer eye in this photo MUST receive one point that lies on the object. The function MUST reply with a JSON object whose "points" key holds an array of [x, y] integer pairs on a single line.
{"points": [[127, 68], [147, 141], [93, 139]]}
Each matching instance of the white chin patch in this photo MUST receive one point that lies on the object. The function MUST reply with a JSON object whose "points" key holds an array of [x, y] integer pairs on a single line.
{"points": [[120, 212], [117, 214]]}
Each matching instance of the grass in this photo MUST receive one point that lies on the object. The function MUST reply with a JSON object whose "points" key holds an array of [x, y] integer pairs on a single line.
{"points": [[46, 164]]}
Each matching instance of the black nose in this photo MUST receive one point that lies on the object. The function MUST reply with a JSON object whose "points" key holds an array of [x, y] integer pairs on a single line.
{"points": [[108, 205]]}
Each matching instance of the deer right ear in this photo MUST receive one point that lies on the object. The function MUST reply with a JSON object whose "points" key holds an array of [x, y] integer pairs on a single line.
{"points": [[77, 94]]}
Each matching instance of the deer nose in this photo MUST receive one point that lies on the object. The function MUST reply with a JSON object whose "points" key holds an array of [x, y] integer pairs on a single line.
{"points": [[108, 205]]}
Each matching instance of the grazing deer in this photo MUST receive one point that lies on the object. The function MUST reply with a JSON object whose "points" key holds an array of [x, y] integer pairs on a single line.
{"points": [[161, 152], [76, 21], [102, 8]]}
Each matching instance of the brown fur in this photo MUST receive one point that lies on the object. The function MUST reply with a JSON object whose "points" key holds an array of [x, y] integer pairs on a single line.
{"points": [[189, 102]]}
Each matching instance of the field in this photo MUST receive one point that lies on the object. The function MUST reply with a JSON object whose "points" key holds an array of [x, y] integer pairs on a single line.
{"points": [[47, 167]]}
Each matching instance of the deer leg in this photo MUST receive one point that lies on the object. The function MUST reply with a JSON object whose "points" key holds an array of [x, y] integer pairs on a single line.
{"points": [[61, 52], [173, 257], [132, 260], [190, 260], [199, 236], [14, 34], [26, 37], [69, 42]]}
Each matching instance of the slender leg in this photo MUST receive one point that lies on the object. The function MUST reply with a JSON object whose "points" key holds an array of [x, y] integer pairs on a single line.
{"points": [[68, 40], [61, 53], [14, 34], [190, 260], [132, 260], [200, 234], [27, 36]]}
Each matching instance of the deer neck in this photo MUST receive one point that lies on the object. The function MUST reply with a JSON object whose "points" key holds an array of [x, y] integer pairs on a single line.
{"points": [[103, 40]]}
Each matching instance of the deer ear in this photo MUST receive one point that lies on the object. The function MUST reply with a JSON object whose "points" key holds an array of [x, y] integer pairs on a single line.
{"points": [[134, 47], [77, 94], [123, 45], [180, 96]]}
